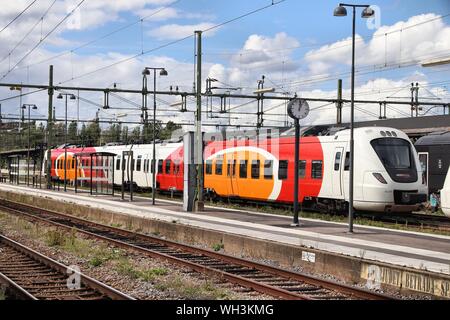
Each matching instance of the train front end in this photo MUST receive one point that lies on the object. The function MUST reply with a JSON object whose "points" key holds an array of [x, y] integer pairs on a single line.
{"points": [[388, 171]]}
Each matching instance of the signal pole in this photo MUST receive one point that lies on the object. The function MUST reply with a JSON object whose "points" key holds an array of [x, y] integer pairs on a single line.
{"points": [[49, 128], [199, 205]]}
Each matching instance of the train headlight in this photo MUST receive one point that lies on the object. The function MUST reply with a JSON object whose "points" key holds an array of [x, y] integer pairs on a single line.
{"points": [[379, 177]]}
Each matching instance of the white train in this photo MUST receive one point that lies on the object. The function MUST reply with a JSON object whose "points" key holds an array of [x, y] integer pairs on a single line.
{"points": [[445, 195], [388, 175]]}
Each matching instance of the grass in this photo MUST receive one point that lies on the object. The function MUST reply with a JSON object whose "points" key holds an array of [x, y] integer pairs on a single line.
{"points": [[217, 246], [190, 290], [98, 254]]}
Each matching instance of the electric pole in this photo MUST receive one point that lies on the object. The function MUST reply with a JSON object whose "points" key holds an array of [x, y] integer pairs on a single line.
{"points": [[49, 128], [200, 204]]}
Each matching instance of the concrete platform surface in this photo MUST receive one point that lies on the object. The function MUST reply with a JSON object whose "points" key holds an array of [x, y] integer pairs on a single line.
{"points": [[402, 248]]}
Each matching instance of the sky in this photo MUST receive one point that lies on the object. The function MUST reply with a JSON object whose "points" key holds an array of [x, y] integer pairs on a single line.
{"points": [[299, 46]]}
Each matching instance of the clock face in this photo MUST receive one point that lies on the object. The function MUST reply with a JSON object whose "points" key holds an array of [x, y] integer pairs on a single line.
{"points": [[298, 108]]}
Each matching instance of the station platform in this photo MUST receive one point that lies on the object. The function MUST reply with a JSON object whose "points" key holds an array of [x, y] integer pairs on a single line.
{"points": [[420, 251]]}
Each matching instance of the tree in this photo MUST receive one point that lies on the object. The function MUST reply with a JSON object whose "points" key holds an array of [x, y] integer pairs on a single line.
{"points": [[166, 133], [72, 133], [135, 136]]}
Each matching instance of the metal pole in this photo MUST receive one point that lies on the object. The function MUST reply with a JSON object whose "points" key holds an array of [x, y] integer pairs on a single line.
{"points": [[49, 129], [352, 114], [200, 204], [296, 167], [65, 148], [28, 149], [154, 140], [417, 99], [20, 105], [339, 102]]}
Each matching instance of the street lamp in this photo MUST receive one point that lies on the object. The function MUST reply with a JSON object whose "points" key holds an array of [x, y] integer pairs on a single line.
{"points": [[34, 107], [145, 73], [367, 12], [72, 97]]}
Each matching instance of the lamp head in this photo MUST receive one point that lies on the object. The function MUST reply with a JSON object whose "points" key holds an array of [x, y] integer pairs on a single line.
{"points": [[24, 106], [340, 11], [34, 107], [60, 96], [163, 72], [367, 12], [72, 97], [146, 72]]}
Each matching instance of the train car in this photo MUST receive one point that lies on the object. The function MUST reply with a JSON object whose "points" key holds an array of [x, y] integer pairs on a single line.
{"points": [[388, 176], [434, 156], [141, 166], [387, 170], [445, 195]]}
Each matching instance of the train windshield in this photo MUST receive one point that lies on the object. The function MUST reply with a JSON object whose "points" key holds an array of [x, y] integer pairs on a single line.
{"points": [[397, 157]]}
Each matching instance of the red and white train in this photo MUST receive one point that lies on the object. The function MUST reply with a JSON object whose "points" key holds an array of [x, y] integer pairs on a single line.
{"points": [[388, 176]]}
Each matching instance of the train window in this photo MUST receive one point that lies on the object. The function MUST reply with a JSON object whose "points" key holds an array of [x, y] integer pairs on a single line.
{"points": [[283, 169], [268, 172], [233, 169], [168, 163], [152, 166], [219, 164], [208, 167], [255, 168], [337, 161], [138, 163], [118, 164], [302, 168], [73, 163], [347, 161], [243, 168], [160, 166], [316, 169]]}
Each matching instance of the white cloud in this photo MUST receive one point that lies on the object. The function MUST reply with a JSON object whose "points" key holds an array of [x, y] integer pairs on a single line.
{"points": [[388, 47], [177, 31]]}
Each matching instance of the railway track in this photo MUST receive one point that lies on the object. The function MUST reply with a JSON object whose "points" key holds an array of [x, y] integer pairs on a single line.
{"points": [[266, 279], [417, 220], [430, 222], [30, 275]]}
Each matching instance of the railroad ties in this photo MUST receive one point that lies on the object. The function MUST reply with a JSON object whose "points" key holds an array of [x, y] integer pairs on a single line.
{"points": [[29, 275], [263, 278]]}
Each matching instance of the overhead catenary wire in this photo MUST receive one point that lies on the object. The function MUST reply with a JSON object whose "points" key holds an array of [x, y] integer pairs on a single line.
{"points": [[88, 43], [44, 38], [17, 16], [29, 32], [273, 3]]}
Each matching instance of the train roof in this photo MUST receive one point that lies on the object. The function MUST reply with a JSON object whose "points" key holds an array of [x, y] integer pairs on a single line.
{"points": [[435, 138]]}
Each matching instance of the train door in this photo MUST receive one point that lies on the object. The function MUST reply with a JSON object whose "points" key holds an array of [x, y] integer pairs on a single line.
{"points": [[345, 174], [337, 172], [423, 158], [231, 170], [147, 181]]}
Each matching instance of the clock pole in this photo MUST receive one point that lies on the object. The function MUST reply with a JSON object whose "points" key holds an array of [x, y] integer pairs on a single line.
{"points": [[295, 223], [297, 109]]}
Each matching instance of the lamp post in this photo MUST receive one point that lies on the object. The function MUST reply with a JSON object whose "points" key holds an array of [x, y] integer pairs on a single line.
{"points": [[72, 97], [34, 107], [145, 73], [340, 11]]}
